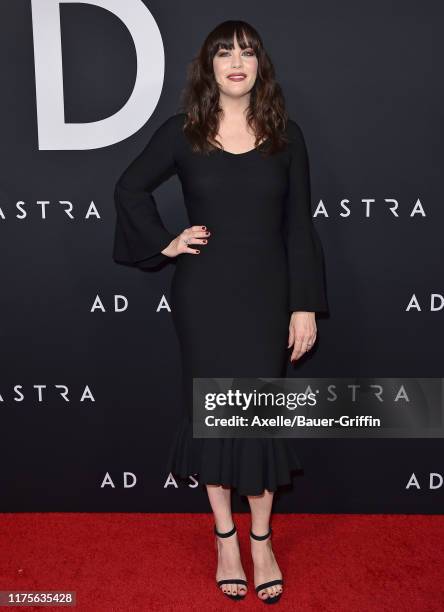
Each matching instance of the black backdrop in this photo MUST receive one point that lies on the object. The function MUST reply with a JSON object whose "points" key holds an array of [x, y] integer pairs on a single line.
{"points": [[364, 80]]}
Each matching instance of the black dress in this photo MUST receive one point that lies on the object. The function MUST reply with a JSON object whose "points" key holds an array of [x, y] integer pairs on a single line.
{"points": [[231, 304]]}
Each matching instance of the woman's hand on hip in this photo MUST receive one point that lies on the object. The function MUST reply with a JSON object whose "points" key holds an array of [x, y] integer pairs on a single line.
{"points": [[196, 234], [301, 333]]}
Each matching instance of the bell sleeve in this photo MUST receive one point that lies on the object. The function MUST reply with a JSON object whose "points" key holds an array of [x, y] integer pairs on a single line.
{"points": [[140, 234], [305, 258]]}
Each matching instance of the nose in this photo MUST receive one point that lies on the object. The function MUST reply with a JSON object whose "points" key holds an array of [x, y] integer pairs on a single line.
{"points": [[237, 61]]}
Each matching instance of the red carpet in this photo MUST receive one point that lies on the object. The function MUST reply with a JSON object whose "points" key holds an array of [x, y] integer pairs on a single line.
{"points": [[138, 562]]}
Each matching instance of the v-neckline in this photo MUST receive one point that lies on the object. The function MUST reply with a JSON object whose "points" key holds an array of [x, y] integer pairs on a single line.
{"points": [[244, 153]]}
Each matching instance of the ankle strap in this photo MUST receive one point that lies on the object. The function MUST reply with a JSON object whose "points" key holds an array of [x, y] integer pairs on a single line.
{"points": [[262, 537], [226, 534]]}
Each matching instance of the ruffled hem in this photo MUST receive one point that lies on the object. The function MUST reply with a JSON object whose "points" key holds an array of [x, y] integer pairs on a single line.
{"points": [[248, 464]]}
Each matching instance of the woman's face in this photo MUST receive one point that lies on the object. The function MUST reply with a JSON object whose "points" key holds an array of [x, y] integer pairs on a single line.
{"points": [[228, 63]]}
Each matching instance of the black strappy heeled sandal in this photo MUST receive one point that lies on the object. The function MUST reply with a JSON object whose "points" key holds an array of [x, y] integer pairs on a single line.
{"points": [[227, 534], [271, 599]]}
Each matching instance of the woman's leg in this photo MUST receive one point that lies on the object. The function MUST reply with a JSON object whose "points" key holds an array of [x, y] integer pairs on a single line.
{"points": [[229, 563], [265, 564]]}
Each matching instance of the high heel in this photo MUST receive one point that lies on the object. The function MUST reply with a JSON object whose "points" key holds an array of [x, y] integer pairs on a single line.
{"points": [[229, 580], [271, 599]]}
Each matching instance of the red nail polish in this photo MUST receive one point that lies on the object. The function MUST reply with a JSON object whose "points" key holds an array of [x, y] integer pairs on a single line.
{"points": [[203, 227]]}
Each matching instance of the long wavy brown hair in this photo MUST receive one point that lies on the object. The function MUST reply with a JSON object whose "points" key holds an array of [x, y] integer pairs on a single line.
{"points": [[266, 114]]}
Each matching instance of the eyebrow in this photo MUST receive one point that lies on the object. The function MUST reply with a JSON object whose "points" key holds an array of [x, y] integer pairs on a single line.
{"points": [[231, 49]]}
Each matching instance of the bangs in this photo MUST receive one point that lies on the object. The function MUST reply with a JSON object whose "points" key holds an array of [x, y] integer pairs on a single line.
{"points": [[223, 37]]}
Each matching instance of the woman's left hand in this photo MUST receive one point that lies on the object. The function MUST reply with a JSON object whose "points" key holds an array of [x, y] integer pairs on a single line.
{"points": [[301, 333]]}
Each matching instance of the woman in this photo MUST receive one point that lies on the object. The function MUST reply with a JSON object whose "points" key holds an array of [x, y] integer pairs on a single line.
{"points": [[249, 275]]}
